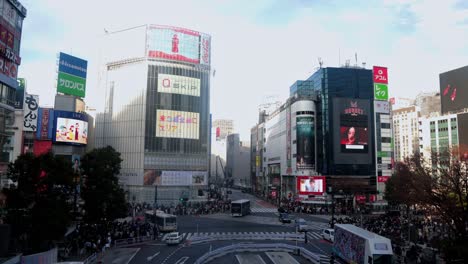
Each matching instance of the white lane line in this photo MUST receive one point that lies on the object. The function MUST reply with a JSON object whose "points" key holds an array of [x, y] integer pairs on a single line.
{"points": [[247, 259], [281, 257], [130, 259], [182, 260], [150, 258]]}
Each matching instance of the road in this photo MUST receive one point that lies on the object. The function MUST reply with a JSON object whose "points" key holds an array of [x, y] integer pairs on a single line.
{"points": [[262, 226]]}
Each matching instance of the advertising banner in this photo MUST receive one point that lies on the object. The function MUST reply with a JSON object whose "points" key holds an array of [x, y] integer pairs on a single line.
{"points": [[70, 127], [380, 91], [177, 124], [288, 141], [305, 142], [72, 75], [20, 93], [383, 178], [382, 107], [310, 185], [175, 178], [45, 124], [205, 49], [354, 125], [176, 84], [31, 107], [454, 90], [174, 44], [380, 74]]}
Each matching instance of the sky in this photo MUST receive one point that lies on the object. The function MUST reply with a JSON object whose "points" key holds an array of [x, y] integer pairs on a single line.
{"points": [[259, 48]]}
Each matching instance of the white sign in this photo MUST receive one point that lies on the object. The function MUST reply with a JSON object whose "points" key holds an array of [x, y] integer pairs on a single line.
{"points": [[178, 85], [177, 124], [31, 109], [382, 107], [183, 178]]}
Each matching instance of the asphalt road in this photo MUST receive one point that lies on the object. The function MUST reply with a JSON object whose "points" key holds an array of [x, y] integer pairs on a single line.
{"points": [[258, 222]]}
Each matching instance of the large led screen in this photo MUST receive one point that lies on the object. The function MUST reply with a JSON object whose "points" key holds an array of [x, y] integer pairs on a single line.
{"points": [[177, 124], [353, 138], [310, 185], [454, 90], [173, 44], [176, 84], [305, 142], [71, 131]]}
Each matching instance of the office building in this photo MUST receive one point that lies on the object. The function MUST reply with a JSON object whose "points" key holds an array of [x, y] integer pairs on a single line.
{"points": [[159, 118], [238, 161], [406, 132]]}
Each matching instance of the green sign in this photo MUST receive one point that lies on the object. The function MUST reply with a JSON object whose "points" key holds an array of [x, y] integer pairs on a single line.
{"points": [[380, 91], [70, 84]]}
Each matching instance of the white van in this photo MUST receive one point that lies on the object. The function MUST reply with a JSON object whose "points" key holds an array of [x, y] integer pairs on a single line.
{"points": [[328, 234]]}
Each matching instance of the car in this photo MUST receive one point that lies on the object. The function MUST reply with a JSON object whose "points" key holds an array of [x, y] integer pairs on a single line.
{"points": [[173, 238], [301, 225], [285, 218], [328, 234]]}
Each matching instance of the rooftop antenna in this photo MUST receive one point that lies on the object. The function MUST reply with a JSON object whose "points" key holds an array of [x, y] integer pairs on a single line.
{"points": [[363, 65], [320, 62], [355, 56], [339, 57]]}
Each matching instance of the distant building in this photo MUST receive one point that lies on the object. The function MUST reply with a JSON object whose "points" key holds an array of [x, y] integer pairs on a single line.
{"points": [[439, 134], [238, 161], [406, 132], [428, 103], [223, 128]]}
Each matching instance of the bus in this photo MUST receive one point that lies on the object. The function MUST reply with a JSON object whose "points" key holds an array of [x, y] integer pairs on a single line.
{"points": [[356, 245], [164, 222], [240, 207]]}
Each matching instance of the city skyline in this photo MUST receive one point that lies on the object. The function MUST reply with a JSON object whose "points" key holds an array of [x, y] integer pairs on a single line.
{"points": [[416, 40]]}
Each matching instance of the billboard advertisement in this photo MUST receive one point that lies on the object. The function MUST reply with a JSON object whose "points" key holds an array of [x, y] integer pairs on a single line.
{"points": [[20, 93], [454, 90], [45, 124], [305, 142], [380, 74], [310, 185], [176, 84], [173, 44], [205, 55], [463, 135], [72, 75], [175, 178], [177, 124], [31, 107], [352, 133], [381, 91], [71, 128]]}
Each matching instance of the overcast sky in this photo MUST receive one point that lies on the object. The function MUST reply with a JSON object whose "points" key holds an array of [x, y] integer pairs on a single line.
{"points": [[261, 47]]}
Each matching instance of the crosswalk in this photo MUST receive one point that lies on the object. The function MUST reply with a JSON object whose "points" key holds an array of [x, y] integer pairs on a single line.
{"points": [[248, 235], [263, 210]]}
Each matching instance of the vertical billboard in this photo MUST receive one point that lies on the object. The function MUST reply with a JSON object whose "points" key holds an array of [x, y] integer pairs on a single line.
{"points": [[70, 128], [205, 54], [380, 83], [454, 90], [72, 75], [45, 124], [31, 108], [176, 84], [463, 135], [352, 135], [310, 185], [305, 142], [177, 124], [288, 141]]}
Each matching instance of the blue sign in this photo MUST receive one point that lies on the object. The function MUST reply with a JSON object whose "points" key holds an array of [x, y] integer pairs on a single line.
{"points": [[72, 65]]}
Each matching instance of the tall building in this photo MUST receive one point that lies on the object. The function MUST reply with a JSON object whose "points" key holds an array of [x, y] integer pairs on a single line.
{"points": [[13, 14], [157, 112], [223, 128], [438, 134], [406, 132], [238, 161], [454, 90]]}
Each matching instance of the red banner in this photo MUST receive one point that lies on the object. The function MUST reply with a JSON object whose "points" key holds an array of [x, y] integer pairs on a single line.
{"points": [[42, 147], [382, 178], [380, 75]]}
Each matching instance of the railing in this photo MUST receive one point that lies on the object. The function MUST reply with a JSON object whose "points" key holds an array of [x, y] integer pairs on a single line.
{"points": [[314, 258], [244, 236], [131, 241], [91, 258]]}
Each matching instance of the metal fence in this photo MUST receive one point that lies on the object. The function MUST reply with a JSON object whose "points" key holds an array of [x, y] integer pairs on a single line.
{"points": [[131, 241]]}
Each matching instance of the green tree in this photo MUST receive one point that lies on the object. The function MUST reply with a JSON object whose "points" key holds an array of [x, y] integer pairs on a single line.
{"points": [[38, 210], [104, 198]]}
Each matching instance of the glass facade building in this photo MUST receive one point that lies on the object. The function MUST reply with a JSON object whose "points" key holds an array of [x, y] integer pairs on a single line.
{"points": [[157, 113]]}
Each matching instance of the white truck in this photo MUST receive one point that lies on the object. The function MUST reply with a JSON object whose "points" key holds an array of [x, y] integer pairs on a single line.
{"points": [[359, 246]]}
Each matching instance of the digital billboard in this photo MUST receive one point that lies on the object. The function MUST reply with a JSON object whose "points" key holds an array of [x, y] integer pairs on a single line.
{"points": [[177, 124], [174, 44], [175, 178], [352, 133], [72, 75], [310, 185], [70, 127], [176, 84], [305, 142], [454, 90]]}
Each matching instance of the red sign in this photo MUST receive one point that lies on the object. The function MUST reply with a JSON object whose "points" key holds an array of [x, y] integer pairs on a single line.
{"points": [[382, 178], [310, 185], [218, 132], [42, 147], [380, 75], [392, 100]]}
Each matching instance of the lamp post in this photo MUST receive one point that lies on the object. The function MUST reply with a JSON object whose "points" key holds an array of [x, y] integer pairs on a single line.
{"points": [[330, 191]]}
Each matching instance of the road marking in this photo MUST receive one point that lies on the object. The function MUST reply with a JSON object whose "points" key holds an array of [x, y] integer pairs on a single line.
{"points": [[130, 259], [150, 258], [281, 257], [170, 255], [155, 244], [182, 260], [249, 258]]}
